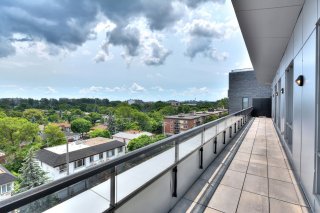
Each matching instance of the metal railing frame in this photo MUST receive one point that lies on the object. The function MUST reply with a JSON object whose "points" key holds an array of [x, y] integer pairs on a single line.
{"points": [[42, 191]]}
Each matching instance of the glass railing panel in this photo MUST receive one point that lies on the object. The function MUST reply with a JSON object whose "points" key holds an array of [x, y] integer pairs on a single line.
{"points": [[134, 173], [189, 145], [210, 133]]}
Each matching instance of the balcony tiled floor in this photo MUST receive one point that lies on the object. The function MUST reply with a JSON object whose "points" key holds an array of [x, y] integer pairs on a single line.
{"points": [[259, 179]]}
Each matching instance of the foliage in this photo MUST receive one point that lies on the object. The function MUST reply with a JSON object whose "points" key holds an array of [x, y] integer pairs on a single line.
{"points": [[211, 118], [53, 136], [15, 135], [31, 175], [2, 114], [100, 133], [94, 116], [34, 116], [54, 118], [81, 126], [142, 141]]}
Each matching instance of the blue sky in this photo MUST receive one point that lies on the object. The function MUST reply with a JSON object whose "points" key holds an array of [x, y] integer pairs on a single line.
{"points": [[150, 50]]}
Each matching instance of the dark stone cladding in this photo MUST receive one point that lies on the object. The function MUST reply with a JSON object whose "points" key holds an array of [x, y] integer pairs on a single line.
{"points": [[54, 159], [244, 84]]}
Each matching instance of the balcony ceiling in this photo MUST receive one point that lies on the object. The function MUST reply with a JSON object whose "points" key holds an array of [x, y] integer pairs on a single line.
{"points": [[266, 28]]}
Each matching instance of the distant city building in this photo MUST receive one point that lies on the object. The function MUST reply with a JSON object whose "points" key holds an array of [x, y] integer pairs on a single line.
{"points": [[82, 155], [6, 183], [176, 124], [245, 91], [134, 101], [174, 103], [127, 136]]}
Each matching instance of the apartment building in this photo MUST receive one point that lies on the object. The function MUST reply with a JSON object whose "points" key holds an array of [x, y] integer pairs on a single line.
{"points": [[245, 91], [127, 136], [176, 124], [82, 155]]}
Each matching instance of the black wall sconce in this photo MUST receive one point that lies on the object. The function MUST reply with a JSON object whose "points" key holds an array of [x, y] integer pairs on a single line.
{"points": [[282, 90], [300, 80], [277, 93]]}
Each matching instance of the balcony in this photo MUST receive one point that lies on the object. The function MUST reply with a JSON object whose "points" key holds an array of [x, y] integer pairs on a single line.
{"points": [[186, 172]]}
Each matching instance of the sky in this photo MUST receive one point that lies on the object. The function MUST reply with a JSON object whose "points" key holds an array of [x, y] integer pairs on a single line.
{"points": [[119, 49]]}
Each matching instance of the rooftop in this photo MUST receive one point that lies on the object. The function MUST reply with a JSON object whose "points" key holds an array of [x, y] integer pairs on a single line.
{"points": [[192, 115], [131, 134], [6, 176]]}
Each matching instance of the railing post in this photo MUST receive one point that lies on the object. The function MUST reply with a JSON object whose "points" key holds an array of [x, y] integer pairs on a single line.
{"points": [[235, 127], [224, 137], [176, 151], [215, 145], [113, 188], [174, 181], [201, 158]]}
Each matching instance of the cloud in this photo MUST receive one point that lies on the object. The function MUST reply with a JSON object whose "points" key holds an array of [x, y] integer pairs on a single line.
{"points": [[195, 3], [50, 90], [135, 88], [202, 35], [155, 53], [58, 23], [100, 89], [6, 48], [157, 88]]}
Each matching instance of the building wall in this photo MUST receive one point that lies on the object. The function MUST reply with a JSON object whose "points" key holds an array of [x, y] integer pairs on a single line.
{"points": [[244, 84], [301, 52], [54, 173]]}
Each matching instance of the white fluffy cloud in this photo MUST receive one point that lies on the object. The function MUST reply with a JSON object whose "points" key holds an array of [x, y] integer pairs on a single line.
{"points": [[135, 88]]}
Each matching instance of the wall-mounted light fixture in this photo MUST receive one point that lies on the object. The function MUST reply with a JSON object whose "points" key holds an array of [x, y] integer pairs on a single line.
{"points": [[282, 90], [300, 80], [277, 93]]}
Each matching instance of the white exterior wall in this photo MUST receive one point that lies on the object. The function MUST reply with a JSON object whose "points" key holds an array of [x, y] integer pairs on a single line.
{"points": [[124, 140], [54, 173], [5, 195], [301, 50]]}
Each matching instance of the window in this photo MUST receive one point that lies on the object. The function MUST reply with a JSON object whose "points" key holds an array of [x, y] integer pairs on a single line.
{"points": [[9, 187], [101, 156], [245, 103], [3, 189], [110, 153], [79, 163], [120, 149], [63, 168], [91, 159]]}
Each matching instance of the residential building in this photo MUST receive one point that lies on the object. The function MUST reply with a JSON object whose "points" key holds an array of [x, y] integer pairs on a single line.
{"points": [[6, 183], [82, 155], [245, 91], [174, 103], [127, 136], [134, 101], [175, 124], [65, 127]]}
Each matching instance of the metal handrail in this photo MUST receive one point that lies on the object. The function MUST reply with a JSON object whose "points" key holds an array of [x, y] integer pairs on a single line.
{"points": [[36, 193]]}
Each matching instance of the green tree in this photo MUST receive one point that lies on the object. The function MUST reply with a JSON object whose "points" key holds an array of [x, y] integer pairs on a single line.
{"points": [[81, 126], [31, 175], [34, 116], [94, 116], [53, 117], [142, 141], [100, 133], [2, 114], [211, 118], [53, 136], [16, 133]]}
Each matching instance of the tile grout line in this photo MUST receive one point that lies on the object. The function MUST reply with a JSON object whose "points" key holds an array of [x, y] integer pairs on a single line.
{"points": [[247, 168]]}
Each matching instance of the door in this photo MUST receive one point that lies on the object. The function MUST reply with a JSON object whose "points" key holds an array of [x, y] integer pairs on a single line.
{"points": [[261, 107]]}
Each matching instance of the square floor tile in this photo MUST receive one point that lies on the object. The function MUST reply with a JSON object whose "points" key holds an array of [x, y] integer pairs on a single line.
{"points": [[282, 191], [250, 202], [242, 156], [256, 184], [233, 179], [210, 210], [239, 166], [258, 169], [258, 159], [225, 199], [279, 174], [277, 162], [277, 206]]}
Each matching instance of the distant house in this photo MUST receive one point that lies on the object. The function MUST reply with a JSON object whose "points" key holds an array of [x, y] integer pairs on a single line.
{"points": [[6, 183], [65, 127], [127, 136], [82, 155], [70, 136], [2, 157], [134, 101]]}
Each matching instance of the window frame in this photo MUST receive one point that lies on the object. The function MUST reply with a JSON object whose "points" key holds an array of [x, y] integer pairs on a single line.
{"points": [[243, 102]]}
